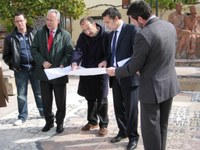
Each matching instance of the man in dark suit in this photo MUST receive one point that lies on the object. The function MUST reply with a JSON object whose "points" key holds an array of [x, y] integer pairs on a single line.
{"points": [[154, 58], [52, 48], [125, 91]]}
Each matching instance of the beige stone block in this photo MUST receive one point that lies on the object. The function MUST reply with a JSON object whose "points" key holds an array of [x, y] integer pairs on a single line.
{"points": [[10, 84], [189, 84]]}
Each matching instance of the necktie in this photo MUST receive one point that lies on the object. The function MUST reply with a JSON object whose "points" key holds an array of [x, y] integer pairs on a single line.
{"points": [[50, 40], [113, 48]]}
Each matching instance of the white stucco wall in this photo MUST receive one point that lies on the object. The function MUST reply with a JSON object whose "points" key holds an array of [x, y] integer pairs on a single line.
{"points": [[96, 11]]}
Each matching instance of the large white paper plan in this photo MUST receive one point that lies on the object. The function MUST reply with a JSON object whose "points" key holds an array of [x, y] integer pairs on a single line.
{"points": [[87, 71], [54, 73]]}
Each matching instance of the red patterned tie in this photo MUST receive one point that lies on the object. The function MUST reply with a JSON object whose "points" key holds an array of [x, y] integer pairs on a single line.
{"points": [[50, 40]]}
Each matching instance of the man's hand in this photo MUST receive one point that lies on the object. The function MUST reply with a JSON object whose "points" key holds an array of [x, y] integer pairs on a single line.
{"points": [[74, 66], [110, 71], [46, 65], [103, 64]]}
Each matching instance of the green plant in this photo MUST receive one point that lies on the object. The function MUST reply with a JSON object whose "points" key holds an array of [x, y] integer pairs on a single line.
{"points": [[35, 8]]}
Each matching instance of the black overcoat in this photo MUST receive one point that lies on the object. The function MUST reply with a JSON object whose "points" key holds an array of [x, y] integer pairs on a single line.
{"points": [[90, 51]]}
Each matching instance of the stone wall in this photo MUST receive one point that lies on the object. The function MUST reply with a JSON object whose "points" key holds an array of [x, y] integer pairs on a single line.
{"points": [[10, 84]]}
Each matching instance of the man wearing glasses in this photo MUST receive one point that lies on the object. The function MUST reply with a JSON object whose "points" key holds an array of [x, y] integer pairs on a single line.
{"points": [[52, 48], [17, 55]]}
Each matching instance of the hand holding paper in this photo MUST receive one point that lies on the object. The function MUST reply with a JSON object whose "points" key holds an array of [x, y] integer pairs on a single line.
{"points": [[54, 73]]}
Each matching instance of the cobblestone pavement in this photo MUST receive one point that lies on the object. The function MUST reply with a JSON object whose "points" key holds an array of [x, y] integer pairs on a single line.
{"points": [[184, 126]]}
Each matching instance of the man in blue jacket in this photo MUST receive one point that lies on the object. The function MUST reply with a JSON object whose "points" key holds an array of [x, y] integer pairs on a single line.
{"points": [[17, 55]]}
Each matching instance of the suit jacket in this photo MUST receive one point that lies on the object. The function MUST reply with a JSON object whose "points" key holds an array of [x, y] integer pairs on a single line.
{"points": [[60, 53], [154, 58], [124, 50]]}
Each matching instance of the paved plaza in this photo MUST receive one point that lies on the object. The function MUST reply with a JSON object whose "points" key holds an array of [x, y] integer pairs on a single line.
{"points": [[184, 126]]}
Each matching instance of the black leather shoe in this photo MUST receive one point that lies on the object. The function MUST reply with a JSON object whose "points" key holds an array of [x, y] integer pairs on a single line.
{"points": [[59, 129], [118, 138], [132, 145], [47, 127]]}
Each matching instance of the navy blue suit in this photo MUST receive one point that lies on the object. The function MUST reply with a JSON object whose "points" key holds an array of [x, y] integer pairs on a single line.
{"points": [[125, 90]]}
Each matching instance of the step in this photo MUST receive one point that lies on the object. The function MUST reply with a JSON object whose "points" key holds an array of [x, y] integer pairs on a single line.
{"points": [[189, 78], [187, 62]]}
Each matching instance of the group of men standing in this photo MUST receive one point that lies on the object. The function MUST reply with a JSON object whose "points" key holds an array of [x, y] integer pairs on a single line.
{"points": [[146, 72]]}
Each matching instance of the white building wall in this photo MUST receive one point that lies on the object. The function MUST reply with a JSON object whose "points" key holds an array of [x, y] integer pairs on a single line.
{"points": [[97, 11]]}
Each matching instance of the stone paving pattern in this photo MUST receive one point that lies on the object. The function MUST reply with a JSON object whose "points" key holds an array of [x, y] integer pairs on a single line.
{"points": [[184, 126], [184, 123]]}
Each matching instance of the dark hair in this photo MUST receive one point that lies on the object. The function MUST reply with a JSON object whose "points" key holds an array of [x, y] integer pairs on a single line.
{"points": [[90, 19], [139, 8], [19, 13], [112, 12]]}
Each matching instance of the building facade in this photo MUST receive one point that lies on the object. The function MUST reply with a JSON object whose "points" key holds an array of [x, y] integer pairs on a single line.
{"points": [[95, 9]]}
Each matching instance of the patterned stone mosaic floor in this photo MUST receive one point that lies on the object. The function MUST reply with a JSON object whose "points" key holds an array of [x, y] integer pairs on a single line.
{"points": [[184, 127]]}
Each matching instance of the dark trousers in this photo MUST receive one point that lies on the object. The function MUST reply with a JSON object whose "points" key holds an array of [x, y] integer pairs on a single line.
{"points": [[126, 109], [154, 123], [59, 90], [98, 108]]}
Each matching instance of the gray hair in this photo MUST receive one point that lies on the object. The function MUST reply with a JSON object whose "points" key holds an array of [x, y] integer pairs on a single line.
{"points": [[56, 12]]}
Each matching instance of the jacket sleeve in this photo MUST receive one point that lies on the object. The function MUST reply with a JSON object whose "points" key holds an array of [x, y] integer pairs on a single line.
{"points": [[7, 53], [78, 53], [106, 46], [35, 51], [138, 58]]}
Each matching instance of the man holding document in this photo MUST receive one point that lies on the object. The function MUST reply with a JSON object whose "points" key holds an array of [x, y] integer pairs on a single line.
{"points": [[154, 58], [91, 51], [52, 48], [125, 90]]}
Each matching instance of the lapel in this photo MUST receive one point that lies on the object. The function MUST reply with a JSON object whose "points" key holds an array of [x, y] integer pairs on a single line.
{"points": [[45, 35], [110, 41], [122, 33], [56, 40]]}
